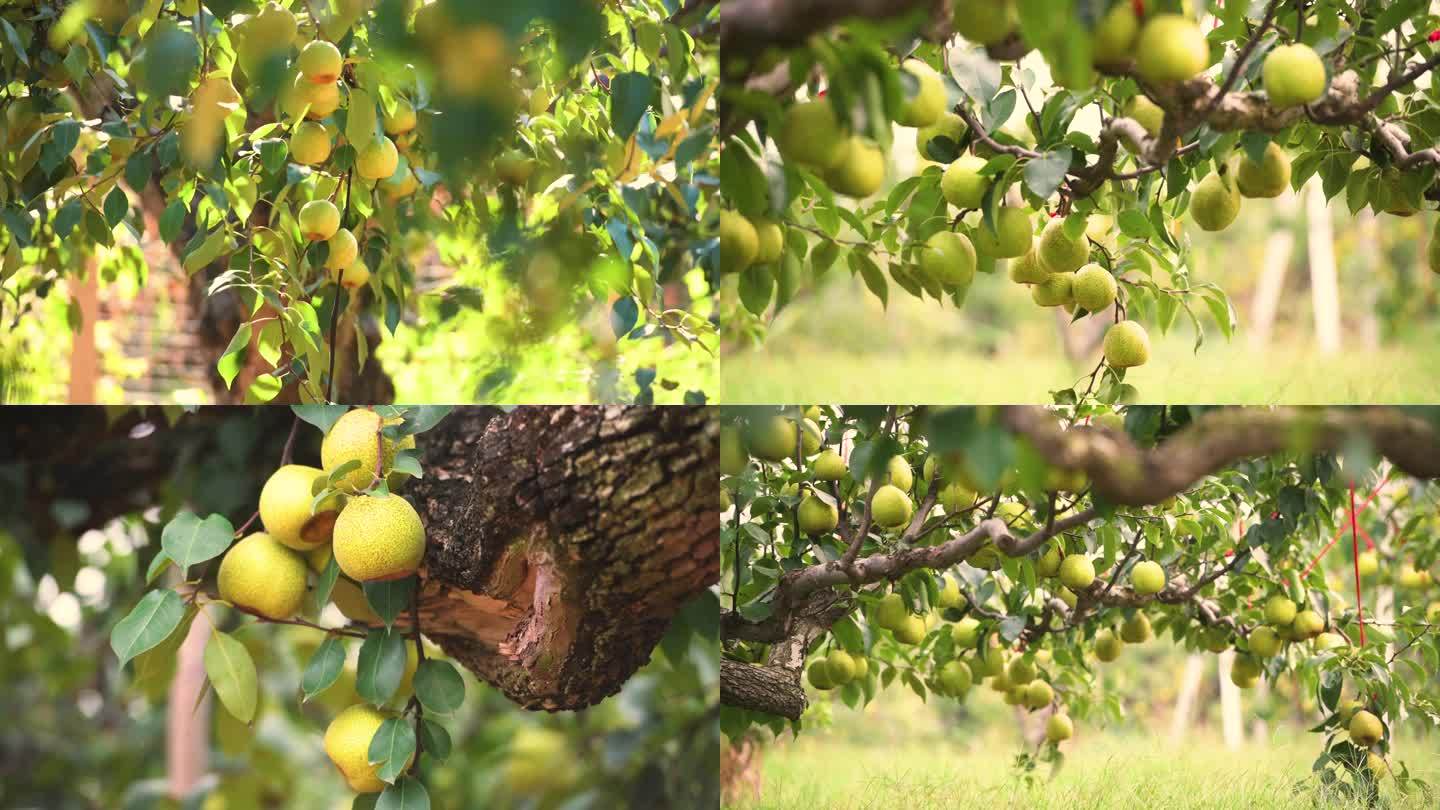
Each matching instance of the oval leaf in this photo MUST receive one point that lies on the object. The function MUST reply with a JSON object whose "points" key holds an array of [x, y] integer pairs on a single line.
{"points": [[232, 673], [382, 665], [405, 794], [147, 624], [189, 540], [391, 748], [439, 686], [324, 667]]}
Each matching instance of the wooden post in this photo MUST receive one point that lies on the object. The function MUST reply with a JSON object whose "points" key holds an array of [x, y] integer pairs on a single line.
{"points": [[1189, 690], [84, 361], [1230, 721], [187, 725], [1324, 286], [1279, 246]]}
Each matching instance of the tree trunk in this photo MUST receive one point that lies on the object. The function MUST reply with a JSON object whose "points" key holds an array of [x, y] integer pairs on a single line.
{"points": [[1231, 723], [187, 716], [1189, 691], [741, 771], [1278, 247], [1324, 286]]}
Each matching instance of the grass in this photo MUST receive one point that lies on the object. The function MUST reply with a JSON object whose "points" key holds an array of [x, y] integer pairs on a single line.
{"points": [[919, 353], [1102, 772]]}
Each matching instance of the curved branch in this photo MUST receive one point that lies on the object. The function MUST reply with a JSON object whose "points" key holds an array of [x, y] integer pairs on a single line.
{"points": [[1123, 473]]}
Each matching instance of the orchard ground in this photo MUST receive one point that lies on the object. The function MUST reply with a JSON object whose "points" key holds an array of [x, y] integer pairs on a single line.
{"points": [[904, 753]]}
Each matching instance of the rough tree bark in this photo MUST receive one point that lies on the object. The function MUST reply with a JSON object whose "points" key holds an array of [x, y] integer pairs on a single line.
{"points": [[561, 540]]}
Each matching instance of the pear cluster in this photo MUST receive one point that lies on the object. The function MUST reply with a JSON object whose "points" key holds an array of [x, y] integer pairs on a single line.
{"points": [[310, 514]]}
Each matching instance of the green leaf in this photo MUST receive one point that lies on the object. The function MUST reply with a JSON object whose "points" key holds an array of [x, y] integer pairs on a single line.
{"points": [[405, 794], [170, 56], [1044, 175], [321, 416], [390, 598], [381, 666], [232, 673], [116, 206], [172, 220], [189, 540], [439, 686], [158, 564], [325, 583], [861, 263], [233, 357], [391, 748], [630, 96], [147, 624], [270, 343], [435, 739], [757, 285], [623, 315], [68, 217], [264, 389], [324, 667]]}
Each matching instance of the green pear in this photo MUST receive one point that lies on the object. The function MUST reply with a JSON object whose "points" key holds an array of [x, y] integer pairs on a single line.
{"points": [[816, 516], [1012, 236], [739, 243], [1149, 115], [1215, 202], [770, 437], [733, 458], [1147, 577], [1329, 641], [1264, 642], [987, 22], [890, 613], [949, 125], [1126, 345], [1268, 178], [890, 508], [955, 678], [1094, 288], [819, 674], [1027, 269], [1293, 75], [770, 240], [1365, 729], [1049, 563], [840, 666], [956, 497], [1108, 646], [1038, 695], [1059, 728], [949, 258], [950, 595], [1279, 610], [898, 472], [1245, 672], [1060, 253], [810, 134], [1171, 48], [965, 633], [1308, 624], [1076, 571], [962, 183], [911, 631], [861, 170], [829, 466], [1114, 36], [1057, 290], [923, 108], [1136, 629], [810, 437], [1020, 671]]}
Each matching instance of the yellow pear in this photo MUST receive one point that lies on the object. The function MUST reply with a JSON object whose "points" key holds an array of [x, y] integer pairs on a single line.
{"points": [[309, 143], [1056, 290], [1114, 37], [861, 170], [263, 576], [1059, 728], [1293, 75], [770, 437], [1126, 345], [890, 508], [318, 220], [320, 62], [1027, 269], [988, 22], [378, 159], [1076, 571], [810, 134], [816, 516], [343, 249], [739, 242], [771, 240], [347, 743], [1147, 577], [1268, 178], [962, 183], [1094, 288], [352, 276], [949, 125], [925, 106], [378, 539], [949, 258], [1215, 202], [285, 507], [1058, 252], [352, 438], [1012, 236], [1171, 48], [1365, 729]]}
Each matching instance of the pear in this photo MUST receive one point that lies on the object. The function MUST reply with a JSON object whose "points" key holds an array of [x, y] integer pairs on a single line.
{"points": [[1076, 571], [1094, 288], [1215, 202], [1147, 577], [1020, 671], [1027, 269], [891, 612], [1012, 235], [890, 508], [1308, 624], [911, 631], [770, 437], [1058, 252], [816, 516], [1268, 178], [810, 437], [1057, 290], [949, 258], [927, 104], [1126, 345], [1365, 729], [861, 170], [955, 678], [1059, 728], [987, 22], [1171, 48], [948, 125], [1136, 629], [1265, 642], [1149, 115], [1329, 641], [770, 239], [829, 466], [1049, 563], [1038, 695], [840, 666], [739, 242], [956, 497], [819, 675], [1114, 37], [1293, 75], [733, 458], [810, 134], [965, 633], [898, 472], [1279, 611], [950, 595], [1245, 672], [1216, 639], [962, 183], [1107, 646]]}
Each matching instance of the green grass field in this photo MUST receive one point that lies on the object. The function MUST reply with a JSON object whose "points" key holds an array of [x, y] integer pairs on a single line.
{"points": [[1102, 772], [919, 353]]}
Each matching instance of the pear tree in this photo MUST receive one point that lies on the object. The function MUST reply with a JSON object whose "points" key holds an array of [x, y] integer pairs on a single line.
{"points": [[1021, 549], [309, 165], [1051, 137]]}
